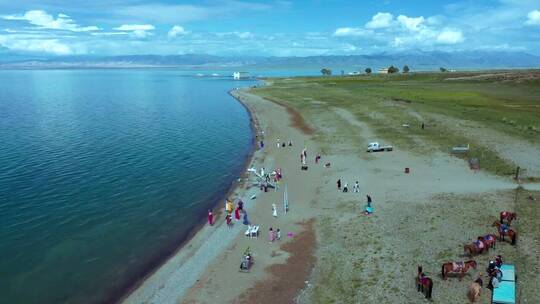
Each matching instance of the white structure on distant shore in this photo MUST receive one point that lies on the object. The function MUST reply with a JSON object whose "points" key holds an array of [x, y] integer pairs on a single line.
{"points": [[240, 75], [383, 71]]}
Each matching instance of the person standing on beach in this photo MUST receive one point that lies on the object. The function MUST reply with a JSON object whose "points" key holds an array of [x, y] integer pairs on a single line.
{"points": [[356, 187], [346, 188], [210, 218], [237, 213], [369, 208], [271, 235], [229, 207], [339, 184], [245, 221], [274, 210], [278, 234], [278, 144], [229, 221]]}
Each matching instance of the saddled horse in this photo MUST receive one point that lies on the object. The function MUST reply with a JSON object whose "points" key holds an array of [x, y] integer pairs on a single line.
{"points": [[502, 232], [423, 283], [457, 267], [489, 240], [508, 216], [475, 248]]}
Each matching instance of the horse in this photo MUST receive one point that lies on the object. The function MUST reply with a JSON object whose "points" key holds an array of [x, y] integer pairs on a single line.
{"points": [[460, 267], [511, 233], [489, 240], [508, 216], [473, 249], [474, 290], [423, 283]]}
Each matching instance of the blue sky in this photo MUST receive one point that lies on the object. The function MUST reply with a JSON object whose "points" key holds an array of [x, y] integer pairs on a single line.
{"points": [[266, 28]]}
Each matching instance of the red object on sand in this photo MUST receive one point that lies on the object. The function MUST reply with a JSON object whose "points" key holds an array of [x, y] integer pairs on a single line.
{"points": [[210, 218]]}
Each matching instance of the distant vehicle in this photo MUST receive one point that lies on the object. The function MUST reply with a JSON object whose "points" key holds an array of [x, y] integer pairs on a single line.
{"points": [[376, 147], [460, 149]]}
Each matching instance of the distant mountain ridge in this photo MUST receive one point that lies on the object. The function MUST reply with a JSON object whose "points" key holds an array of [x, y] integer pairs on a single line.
{"points": [[417, 60]]}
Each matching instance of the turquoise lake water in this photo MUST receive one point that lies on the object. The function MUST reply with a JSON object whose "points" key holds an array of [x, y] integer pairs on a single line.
{"points": [[103, 172]]}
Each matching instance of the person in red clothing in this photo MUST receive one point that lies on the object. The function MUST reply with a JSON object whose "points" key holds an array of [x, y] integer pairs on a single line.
{"points": [[210, 218], [237, 213]]}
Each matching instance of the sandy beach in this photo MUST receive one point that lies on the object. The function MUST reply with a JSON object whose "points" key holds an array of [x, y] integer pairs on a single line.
{"points": [[216, 251], [329, 249]]}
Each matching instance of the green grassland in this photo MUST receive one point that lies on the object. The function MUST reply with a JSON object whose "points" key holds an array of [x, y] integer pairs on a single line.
{"points": [[507, 102]]}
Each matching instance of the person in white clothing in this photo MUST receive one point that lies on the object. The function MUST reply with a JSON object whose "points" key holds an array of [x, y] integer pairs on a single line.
{"points": [[274, 210], [356, 187]]}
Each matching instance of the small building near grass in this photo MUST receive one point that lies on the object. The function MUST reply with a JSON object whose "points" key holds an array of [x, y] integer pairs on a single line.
{"points": [[383, 71], [240, 75]]}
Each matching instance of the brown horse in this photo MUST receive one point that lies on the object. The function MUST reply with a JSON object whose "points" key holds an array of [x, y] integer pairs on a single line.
{"points": [[474, 248], [423, 283], [457, 267], [509, 232], [489, 240], [474, 290], [508, 216]]}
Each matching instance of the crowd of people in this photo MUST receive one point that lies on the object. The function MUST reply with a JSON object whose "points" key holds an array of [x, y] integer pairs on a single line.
{"points": [[237, 213], [494, 272]]}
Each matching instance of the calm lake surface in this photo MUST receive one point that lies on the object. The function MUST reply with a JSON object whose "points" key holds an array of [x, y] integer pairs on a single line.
{"points": [[103, 172]]}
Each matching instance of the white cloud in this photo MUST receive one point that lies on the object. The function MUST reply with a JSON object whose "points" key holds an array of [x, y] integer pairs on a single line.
{"points": [[410, 23], [533, 18], [404, 31], [51, 46], [140, 34], [176, 31], [179, 13], [241, 35], [244, 35], [109, 33], [450, 37], [135, 27], [350, 48], [137, 30], [350, 31], [380, 20], [45, 21]]}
